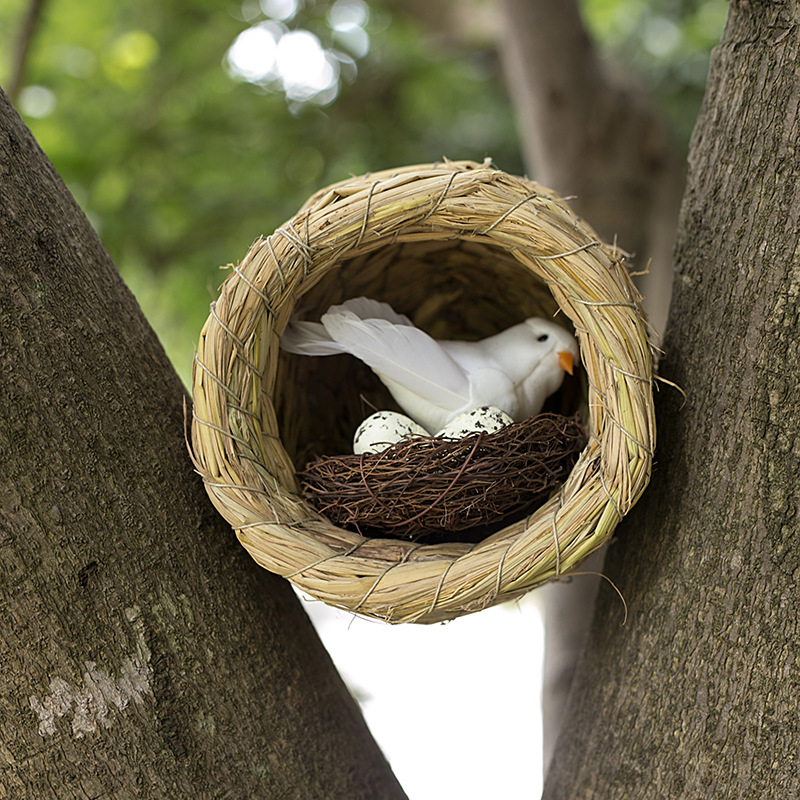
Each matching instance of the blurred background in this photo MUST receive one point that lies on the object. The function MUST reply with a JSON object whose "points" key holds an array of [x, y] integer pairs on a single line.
{"points": [[187, 128]]}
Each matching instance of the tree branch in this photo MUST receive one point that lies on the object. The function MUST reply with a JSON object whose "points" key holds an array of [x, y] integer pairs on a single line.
{"points": [[696, 696], [144, 654], [22, 47], [591, 134]]}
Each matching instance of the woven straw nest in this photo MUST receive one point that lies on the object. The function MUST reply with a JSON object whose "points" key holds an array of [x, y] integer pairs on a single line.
{"points": [[465, 250]]}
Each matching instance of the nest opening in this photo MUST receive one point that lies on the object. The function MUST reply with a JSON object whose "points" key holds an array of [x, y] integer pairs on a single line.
{"points": [[452, 289]]}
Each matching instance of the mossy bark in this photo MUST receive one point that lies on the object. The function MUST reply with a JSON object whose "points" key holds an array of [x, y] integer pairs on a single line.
{"points": [[142, 652], [696, 696]]}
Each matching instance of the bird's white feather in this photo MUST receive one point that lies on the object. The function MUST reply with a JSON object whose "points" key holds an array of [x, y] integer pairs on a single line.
{"points": [[309, 339], [367, 308], [402, 354], [434, 381]]}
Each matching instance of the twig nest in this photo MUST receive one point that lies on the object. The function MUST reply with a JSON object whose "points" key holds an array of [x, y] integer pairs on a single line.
{"points": [[432, 488], [464, 250]]}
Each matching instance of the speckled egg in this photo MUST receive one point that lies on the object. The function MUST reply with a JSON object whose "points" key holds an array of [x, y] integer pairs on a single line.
{"points": [[486, 419], [382, 429]]}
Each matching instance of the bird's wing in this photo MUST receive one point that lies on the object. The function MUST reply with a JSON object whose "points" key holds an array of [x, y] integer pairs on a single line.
{"points": [[367, 308], [402, 353], [309, 339]]}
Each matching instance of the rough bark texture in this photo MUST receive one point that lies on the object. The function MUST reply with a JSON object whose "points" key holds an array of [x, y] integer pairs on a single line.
{"points": [[697, 695], [590, 133], [142, 653]]}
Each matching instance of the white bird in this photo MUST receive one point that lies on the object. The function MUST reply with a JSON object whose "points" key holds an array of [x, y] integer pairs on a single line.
{"points": [[436, 380]]}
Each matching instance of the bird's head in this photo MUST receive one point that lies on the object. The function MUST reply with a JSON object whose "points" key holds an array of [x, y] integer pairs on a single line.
{"points": [[555, 339]]}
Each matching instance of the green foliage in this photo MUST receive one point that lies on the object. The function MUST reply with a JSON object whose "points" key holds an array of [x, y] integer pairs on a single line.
{"points": [[180, 165], [667, 43]]}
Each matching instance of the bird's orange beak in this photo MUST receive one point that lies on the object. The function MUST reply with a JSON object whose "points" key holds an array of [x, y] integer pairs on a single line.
{"points": [[565, 361]]}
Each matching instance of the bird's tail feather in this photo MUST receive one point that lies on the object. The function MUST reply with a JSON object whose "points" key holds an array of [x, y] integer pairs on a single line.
{"points": [[309, 339]]}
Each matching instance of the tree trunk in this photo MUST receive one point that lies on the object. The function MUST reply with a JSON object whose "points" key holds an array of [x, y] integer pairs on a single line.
{"points": [[142, 652], [696, 696]]}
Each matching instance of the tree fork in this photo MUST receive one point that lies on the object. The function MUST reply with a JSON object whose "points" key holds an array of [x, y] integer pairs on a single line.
{"points": [[142, 652]]}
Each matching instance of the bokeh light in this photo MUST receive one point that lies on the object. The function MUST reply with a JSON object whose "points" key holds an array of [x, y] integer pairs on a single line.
{"points": [[296, 61]]}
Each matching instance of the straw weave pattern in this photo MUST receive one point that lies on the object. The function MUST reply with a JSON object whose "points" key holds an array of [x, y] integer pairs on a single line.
{"points": [[465, 250]]}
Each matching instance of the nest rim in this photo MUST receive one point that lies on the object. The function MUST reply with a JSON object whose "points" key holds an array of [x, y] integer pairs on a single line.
{"points": [[250, 478]]}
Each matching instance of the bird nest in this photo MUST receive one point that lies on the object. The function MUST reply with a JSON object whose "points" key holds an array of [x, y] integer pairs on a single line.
{"points": [[428, 488], [464, 250]]}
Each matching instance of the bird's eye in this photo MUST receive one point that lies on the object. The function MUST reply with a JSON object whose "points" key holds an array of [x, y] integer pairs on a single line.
{"points": [[543, 338]]}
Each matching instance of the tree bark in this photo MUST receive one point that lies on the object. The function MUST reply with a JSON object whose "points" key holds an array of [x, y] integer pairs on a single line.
{"points": [[142, 652], [696, 696]]}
